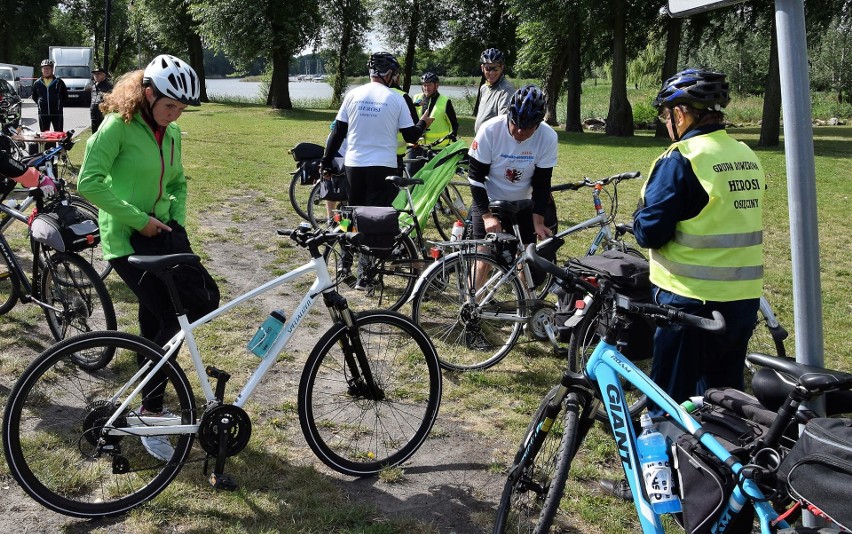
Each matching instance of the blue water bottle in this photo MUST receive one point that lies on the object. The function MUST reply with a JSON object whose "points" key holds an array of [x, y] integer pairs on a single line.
{"points": [[267, 333], [656, 469]]}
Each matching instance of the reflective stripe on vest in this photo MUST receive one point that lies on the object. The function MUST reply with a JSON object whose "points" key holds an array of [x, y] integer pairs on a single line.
{"points": [[718, 254], [401, 145], [440, 127]]}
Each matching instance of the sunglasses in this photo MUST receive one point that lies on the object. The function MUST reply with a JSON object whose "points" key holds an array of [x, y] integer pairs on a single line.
{"points": [[491, 69], [664, 115]]}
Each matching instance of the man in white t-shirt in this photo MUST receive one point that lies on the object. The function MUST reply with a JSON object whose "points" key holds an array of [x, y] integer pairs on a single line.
{"points": [[512, 158], [369, 119]]}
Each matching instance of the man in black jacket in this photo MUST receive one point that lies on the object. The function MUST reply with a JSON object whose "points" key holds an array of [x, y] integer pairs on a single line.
{"points": [[100, 87], [49, 94]]}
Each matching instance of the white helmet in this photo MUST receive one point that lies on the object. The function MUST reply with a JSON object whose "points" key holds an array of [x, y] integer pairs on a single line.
{"points": [[173, 78]]}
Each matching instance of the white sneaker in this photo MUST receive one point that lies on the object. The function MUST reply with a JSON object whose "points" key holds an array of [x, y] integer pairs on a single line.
{"points": [[158, 446]]}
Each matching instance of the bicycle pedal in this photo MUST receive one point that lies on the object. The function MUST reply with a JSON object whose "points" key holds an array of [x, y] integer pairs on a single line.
{"points": [[221, 481]]}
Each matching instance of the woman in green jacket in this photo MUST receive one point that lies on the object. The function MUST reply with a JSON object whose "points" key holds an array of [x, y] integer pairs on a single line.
{"points": [[132, 171]]}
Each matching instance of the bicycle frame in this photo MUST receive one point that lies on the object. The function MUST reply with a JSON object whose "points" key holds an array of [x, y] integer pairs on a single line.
{"points": [[605, 368], [321, 284]]}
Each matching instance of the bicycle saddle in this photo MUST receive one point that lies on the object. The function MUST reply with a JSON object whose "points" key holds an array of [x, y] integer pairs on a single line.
{"points": [[502, 208], [772, 388], [400, 181], [156, 264]]}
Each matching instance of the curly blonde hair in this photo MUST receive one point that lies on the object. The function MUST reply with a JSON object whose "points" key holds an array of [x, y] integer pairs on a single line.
{"points": [[127, 97]]}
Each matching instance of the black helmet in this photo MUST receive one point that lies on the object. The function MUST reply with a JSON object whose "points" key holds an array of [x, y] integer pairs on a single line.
{"points": [[47, 63], [492, 55], [526, 110], [429, 77], [701, 89], [382, 63]]}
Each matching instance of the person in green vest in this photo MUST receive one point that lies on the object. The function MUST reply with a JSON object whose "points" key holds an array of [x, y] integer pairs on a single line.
{"points": [[430, 103], [701, 216]]}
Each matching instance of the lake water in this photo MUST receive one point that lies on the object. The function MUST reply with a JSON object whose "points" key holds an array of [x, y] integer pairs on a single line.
{"points": [[305, 90]]}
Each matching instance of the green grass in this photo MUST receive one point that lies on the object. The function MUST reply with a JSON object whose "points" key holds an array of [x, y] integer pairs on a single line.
{"points": [[235, 158]]}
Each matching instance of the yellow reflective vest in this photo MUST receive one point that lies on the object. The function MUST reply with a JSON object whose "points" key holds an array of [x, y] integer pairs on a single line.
{"points": [[401, 145], [718, 254], [441, 126]]}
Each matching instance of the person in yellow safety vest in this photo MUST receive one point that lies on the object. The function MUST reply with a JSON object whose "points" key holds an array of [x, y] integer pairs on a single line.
{"points": [[445, 127], [701, 216]]}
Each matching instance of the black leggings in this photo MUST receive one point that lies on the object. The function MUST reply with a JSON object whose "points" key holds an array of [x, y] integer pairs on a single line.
{"points": [[157, 319]]}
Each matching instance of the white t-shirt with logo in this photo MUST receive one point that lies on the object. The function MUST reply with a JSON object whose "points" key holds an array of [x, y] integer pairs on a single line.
{"points": [[375, 114], [512, 163]]}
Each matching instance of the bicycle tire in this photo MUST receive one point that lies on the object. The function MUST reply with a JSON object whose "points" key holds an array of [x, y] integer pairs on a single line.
{"points": [[584, 338], [294, 193], [69, 284], [348, 431], [10, 287], [461, 328], [764, 340], [574, 432], [93, 255], [393, 277], [317, 215], [531, 473], [50, 419], [449, 208]]}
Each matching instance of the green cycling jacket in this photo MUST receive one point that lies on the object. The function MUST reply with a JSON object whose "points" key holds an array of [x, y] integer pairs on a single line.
{"points": [[129, 177]]}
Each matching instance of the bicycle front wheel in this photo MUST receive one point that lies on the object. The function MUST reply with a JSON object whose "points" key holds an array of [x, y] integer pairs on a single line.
{"points": [[470, 331], [54, 434], [9, 288], [536, 469], [358, 430], [77, 302], [298, 195]]}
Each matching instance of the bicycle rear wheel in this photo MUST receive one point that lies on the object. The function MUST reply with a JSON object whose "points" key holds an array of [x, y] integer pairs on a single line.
{"points": [[585, 337], [348, 428], [54, 417], [536, 468], [78, 302], [9, 286], [388, 281], [469, 334]]}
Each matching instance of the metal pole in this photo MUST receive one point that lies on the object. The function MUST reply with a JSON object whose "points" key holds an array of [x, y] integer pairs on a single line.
{"points": [[801, 179], [106, 34]]}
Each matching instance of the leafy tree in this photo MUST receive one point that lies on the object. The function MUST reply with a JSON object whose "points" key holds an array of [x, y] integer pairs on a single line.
{"points": [[344, 28], [19, 24], [266, 28]]}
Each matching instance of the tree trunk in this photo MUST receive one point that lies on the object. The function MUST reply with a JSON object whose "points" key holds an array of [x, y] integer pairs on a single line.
{"points": [[196, 60], [619, 121], [770, 128], [573, 118], [411, 46], [670, 63], [553, 80], [279, 88], [340, 72]]}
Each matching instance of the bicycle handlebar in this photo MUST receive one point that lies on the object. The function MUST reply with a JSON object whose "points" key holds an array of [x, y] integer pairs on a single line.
{"points": [[586, 182], [667, 313]]}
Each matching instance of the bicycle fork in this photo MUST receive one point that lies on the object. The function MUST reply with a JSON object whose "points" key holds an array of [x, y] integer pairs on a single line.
{"points": [[361, 381]]}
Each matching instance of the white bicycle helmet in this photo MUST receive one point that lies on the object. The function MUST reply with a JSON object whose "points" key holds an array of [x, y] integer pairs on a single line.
{"points": [[173, 78]]}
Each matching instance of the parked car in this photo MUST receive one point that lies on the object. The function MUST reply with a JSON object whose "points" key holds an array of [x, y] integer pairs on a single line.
{"points": [[10, 104]]}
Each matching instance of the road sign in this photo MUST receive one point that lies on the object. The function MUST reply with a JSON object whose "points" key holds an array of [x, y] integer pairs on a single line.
{"points": [[683, 8]]}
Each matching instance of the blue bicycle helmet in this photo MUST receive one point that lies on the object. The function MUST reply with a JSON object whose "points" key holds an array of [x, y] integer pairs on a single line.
{"points": [[701, 89], [492, 55], [382, 63], [526, 110]]}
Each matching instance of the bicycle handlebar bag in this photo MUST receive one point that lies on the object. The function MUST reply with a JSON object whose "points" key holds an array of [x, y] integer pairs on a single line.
{"points": [[818, 468], [65, 228], [377, 227]]}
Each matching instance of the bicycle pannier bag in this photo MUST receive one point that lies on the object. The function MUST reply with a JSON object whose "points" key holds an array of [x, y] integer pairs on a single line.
{"points": [[377, 227], [818, 468], [335, 188], [65, 228]]}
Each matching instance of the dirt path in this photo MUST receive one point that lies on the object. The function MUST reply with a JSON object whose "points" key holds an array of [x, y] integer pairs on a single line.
{"points": [[447, 483]]}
